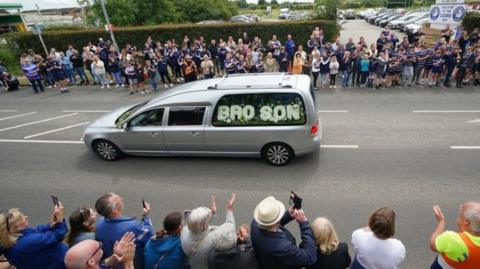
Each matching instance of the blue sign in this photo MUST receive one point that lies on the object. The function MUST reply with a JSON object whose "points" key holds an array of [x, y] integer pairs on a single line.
{"points": [[458, 13], [434, 13]]}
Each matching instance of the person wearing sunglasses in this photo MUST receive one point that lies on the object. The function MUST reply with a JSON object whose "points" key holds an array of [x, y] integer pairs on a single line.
{"points": [[33, 247], [88, 253]]}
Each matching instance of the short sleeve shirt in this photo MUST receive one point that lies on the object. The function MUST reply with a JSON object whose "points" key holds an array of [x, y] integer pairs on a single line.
{"points": [[451, 244]]}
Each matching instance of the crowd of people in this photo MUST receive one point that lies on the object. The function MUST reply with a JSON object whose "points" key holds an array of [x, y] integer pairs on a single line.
{"points": [[388, 62], [103, 237]]}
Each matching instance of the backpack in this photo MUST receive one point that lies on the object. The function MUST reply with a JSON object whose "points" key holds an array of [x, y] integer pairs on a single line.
{"points": [[242, 256]]}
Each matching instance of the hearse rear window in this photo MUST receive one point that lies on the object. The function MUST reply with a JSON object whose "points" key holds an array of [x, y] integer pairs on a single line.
{"points": [[262, 109]]}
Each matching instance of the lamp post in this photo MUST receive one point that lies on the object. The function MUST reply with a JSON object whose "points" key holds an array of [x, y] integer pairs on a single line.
{"points": [[107, 20]]}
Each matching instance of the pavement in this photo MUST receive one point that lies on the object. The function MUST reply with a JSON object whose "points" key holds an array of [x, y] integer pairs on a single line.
{"points": [[394, 147]]}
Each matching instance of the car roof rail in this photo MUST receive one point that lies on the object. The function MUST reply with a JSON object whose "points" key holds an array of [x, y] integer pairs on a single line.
{"points": [[249, 86]]}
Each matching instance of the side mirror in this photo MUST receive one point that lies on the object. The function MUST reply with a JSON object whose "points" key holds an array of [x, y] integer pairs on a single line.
{"points": [[125, 126]]}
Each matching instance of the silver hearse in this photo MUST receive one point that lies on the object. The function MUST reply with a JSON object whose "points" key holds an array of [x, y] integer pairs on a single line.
{"points": [[269, 115]]}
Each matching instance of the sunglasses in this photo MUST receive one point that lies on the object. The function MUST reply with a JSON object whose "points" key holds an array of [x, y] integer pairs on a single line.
{"points": [[7, 215], [100, 245]]}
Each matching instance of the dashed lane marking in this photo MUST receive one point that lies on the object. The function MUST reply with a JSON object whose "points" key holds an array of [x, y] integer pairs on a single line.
{"points": [[41, 141], [465, 147], [446, 111], [332, 111], [18, 116], [57, 130], [86, 111], [36, 122], [339, 146]]}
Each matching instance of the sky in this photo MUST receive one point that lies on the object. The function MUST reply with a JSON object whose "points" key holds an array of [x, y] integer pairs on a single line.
{"points": [[46, 4]]}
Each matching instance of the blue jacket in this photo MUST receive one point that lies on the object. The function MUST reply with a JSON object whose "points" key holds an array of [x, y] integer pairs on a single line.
{"points": [[278, 250], [166, 251], [110, 230], [40, 247]]}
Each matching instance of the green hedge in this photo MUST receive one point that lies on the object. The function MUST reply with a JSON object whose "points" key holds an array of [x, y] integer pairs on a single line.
{"points": [[471, 21], [300, 31]]}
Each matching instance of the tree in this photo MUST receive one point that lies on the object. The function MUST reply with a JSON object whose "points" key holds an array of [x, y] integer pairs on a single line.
{"points": [[140, 12], [156, 11], [326, 9], [120, 12], [243, 4], [262, 3], [274, 3]]}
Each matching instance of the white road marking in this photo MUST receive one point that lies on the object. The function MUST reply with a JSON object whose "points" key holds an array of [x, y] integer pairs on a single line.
{"points": [[35, 122], [18, 116], [41, 141], [57, 130], [474, 121], [7, 111], [86, 111], [446, 111], [332, 111], [465, 147], [339, 146]]}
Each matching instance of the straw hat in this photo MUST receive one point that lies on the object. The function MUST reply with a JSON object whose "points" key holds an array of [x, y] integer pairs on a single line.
{"points": [[269, 211]]}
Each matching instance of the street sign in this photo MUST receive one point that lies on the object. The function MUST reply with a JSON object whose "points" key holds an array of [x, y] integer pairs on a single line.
{"points": [[449, 2]]}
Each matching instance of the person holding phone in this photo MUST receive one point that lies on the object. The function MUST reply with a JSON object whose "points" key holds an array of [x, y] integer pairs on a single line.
{"points": [[113, 225], [38, 247], [275, 247]]}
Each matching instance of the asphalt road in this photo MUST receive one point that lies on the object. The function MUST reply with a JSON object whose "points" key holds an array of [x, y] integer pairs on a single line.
{"points": [[357, 28], [400, 155]]}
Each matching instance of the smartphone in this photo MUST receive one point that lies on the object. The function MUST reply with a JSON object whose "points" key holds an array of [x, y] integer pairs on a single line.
{"points": [[295, 200], [186, 214], [143, 203], [54, 200]]}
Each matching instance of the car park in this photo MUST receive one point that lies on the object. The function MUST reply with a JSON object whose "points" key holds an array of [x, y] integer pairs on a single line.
{"points": [[253, 17], [384, 16], [269, 115]]}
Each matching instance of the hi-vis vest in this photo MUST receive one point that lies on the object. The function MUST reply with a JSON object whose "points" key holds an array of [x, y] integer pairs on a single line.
{"points": [[472, 260]]}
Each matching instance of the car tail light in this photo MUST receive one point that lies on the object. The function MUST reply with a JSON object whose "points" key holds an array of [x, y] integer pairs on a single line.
{"points": [[314, 129]]}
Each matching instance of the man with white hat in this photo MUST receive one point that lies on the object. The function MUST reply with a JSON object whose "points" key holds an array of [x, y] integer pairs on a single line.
{"points": [[275, 247]]}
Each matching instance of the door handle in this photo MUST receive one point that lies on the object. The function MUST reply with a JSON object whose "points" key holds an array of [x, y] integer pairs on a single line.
{"points": [[194, 133], [154, 134]]}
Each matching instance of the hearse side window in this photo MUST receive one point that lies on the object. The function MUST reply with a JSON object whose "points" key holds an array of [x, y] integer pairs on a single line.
{"points": [[262, 109], [152, 117], [186, 116]]}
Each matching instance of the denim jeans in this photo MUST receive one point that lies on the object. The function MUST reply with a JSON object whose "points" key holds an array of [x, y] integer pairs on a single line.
{"points": [[102, 78], [37, 84], [70, 75], [323, 79], [49, 79], [346, 77], [81, 73], [117, 76]]}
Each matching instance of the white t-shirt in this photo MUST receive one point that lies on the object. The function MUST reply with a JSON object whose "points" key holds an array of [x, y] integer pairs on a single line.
{"points": [[375, 253]]}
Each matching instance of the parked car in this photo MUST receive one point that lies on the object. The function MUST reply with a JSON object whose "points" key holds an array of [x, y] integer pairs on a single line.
{"points": [[407, 18], [283, 14], [404, 23], [384, 22], [252, 17], [210, 22], [350, 15], [388, 15], [241, 18], [297, 15], [269, 115], [416, 26]]}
